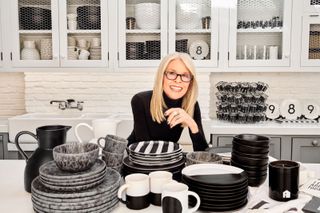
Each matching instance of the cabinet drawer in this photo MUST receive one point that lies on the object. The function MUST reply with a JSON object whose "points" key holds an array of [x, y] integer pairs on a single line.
{"points": [[306, 149], [274, 149]]}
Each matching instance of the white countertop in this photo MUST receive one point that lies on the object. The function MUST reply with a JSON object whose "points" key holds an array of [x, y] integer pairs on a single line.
{"points": [[266, 128], [14, 198]]}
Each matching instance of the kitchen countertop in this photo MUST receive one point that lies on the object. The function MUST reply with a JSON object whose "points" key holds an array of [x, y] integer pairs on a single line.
{"points": [[266, 127], [14, 199]]}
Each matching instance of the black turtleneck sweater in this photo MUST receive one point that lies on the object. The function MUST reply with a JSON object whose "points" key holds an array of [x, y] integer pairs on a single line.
{"points": [[146, 129]]}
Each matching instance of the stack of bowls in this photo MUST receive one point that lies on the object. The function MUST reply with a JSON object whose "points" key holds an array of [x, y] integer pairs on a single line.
{"points": [[95, 53], [153, 48], [250, 152], [113, 151], [202, 157], [89, 17], [46, 49], [147, 15], [134, 50]]}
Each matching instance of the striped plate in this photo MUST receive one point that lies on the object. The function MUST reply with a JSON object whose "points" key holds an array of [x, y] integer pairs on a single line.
{"points": [[155, 148]]}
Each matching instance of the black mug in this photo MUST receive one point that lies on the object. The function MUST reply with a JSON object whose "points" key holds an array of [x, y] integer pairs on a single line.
{"points": [[283, 180]]}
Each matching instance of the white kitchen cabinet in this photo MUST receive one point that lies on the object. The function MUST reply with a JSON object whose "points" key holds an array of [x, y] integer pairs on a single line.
{"points": [[166, 27], [1, 33], [306, 149], [42, 38], [311, 6], [310, 52], [259, 33]]}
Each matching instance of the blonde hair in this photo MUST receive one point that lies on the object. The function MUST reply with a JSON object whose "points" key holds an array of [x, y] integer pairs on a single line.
{"points": [[189, 99]]}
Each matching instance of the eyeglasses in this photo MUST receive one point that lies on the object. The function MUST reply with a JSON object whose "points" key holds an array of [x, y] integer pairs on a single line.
{"points": [[173, 76]]}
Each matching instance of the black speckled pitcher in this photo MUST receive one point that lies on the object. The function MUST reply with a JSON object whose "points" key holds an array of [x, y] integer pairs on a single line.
{"points": [[47, 137]]}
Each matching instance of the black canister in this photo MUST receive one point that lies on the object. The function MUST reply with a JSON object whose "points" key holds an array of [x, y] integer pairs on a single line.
{"points": [[47, 137]]}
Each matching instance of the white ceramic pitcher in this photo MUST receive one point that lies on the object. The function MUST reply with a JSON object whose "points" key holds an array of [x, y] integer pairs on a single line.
{"points": [[99, 127]]}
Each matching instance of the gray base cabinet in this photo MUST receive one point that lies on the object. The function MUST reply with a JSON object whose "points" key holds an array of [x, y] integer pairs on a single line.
{"points": [[226, 140], [3, 144], [302, 148], [306, 149]]}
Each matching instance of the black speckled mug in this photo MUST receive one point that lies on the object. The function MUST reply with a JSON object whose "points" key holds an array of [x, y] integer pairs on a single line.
{"points": [[283, 180]]}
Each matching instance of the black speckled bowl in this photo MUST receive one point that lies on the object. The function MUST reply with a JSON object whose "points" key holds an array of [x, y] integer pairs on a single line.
{"points": [[202, 157], [75, 157]]}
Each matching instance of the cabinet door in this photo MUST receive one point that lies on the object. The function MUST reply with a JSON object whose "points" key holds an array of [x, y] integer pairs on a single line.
{"points": [[84, 33], [274, 148], [35, 33], [260, 33], [311, 6], [310, 52], [306, 150], [193, 29], [142, 32]]}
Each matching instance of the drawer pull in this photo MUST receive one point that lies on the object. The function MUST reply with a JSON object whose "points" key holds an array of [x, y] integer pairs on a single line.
{"points": [[315, 143]]}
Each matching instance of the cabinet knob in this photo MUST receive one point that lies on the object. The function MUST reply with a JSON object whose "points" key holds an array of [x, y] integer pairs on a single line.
{"points": [[314, 143]]}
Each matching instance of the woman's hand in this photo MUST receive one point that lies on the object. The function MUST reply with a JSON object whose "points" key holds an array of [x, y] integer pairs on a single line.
{"points": [[179, 116]]}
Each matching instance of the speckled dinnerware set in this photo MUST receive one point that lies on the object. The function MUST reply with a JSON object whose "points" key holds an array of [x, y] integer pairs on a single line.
{"points": [[84, 184], [148, 156]]}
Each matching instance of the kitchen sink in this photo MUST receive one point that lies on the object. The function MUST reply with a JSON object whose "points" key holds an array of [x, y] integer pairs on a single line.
{"points": [[31, 121]]}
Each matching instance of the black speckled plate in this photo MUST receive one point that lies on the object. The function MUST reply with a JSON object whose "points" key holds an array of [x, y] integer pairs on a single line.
{"points": [[111, 181], [106, 207], [51, 171]]}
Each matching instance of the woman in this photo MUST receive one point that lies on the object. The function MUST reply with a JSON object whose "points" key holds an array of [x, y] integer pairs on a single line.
{"points": [[162, 114]]}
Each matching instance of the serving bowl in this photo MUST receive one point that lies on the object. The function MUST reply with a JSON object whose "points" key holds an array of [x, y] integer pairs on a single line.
{"points": [[75, 157], [147, 15], [203, 157]]}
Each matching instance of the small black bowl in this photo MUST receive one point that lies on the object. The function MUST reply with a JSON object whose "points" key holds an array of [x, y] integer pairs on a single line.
{"points": [[257, 181], [252, 140], [249, 161], [244, 154], [249, 149], [249, 168]]}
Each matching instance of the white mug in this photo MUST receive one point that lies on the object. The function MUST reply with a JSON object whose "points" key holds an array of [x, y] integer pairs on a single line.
{"points": [[72, 25], [175, 198], [273, 52], [100, 128], [95, 42], [135, 192], [83, 44], [84, 54], [157, 180]]}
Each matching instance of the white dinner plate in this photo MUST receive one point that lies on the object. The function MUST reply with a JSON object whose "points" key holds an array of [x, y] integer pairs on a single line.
{"points": [[210, 169]]}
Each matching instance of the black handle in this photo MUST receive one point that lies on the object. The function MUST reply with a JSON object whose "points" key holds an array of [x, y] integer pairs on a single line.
{"points": [[16, 141]]}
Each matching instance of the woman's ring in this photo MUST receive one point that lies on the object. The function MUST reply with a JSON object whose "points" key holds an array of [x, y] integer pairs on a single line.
{"points": [[176, 113]]}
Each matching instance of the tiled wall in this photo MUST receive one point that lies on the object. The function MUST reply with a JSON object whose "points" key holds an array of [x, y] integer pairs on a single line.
{"points": [[112, 92], [12, 94], [101, 92]]}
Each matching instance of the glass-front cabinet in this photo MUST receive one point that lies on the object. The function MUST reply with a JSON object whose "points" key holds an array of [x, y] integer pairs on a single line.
{"points": [[260, 33], [193, 29], [60, 33], [35, 37], [311, 6], [142, 32], [310, 48], [83, 33]]}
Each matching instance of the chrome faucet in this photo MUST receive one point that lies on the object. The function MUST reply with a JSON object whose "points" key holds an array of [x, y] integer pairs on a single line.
{"points": [[68, 104]]}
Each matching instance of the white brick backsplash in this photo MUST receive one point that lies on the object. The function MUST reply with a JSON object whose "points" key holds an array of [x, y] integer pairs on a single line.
{"points": [[101, 92], [11, 94]]}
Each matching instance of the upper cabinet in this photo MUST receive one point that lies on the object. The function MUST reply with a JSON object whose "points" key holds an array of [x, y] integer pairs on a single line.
{"points": [[311, 6], [259, 33], [66, 33], [1, 33], [150, 29]]}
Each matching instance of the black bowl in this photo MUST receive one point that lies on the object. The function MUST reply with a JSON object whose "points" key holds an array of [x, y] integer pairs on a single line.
{"points": [[249, 168], [249, 149], [252, 140], [257, 181], [134, 50], [249, 161], [89, 17], [244, 154], [256, 173]]}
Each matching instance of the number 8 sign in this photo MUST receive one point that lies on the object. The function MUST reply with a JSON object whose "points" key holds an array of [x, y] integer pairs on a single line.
{"points": [[290, 109], [310, 110]]}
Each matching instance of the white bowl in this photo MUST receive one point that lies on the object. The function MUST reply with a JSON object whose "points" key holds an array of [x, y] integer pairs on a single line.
{"points": [[188, 16], [147, 15]]}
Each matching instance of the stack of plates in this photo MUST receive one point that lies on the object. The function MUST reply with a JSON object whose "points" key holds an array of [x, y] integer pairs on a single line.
{"points": [[250, 152], [93, 190], [220, 187], [149, 156], [95, 53]]}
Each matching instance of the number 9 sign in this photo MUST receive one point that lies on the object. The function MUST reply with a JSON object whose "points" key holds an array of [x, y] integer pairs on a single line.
{"points": [[310, 110], [273, 110], [290, 109]]}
